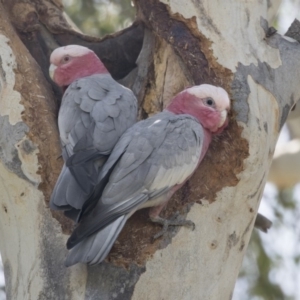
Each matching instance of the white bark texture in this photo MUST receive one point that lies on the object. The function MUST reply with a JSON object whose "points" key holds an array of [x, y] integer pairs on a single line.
{"points": [[31, 243], [259, 72]]}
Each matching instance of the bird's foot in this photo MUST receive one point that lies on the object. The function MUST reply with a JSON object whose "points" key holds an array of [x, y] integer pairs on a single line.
{"points": [[173, 221]]}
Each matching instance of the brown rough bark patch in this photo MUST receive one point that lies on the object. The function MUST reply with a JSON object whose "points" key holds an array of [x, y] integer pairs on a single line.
{"points": [[50, 14], [178, 40], [39, 113], [186, 40], [47, 11], [224, 160]]}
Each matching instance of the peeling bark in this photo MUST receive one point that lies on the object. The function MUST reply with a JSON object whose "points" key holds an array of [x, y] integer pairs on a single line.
{"points": [[170, 46], [33, 250]]}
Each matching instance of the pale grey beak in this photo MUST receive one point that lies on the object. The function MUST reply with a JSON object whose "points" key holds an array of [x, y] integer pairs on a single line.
{"points": [[52, 69], [223, 118]]}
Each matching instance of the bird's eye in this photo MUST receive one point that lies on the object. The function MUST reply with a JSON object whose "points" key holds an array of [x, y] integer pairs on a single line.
{"points": [[209, 102], [66, 59]]}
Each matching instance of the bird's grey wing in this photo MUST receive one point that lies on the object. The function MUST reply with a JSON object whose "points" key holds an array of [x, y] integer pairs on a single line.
{"points": [[95, 111], [163, 152], [179, 155]]}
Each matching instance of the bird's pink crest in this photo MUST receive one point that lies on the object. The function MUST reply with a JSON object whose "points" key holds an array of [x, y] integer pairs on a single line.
{"points": [[72, 62], [208, 103]]}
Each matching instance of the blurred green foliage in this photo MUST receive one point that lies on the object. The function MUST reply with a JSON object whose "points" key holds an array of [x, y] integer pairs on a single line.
{"points": [[100, 17], [271, 265], [262, 286]]}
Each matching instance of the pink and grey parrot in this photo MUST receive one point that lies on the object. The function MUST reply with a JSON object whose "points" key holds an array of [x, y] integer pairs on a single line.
{"points": [[152, 159], [94, 113]]}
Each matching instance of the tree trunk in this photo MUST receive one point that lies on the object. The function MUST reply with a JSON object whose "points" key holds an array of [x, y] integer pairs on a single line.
{"points": [[285, 171], [225, 43]]}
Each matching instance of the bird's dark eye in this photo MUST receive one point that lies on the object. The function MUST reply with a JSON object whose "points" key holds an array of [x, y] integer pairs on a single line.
{"points": [[209, 102], [66, 58]]}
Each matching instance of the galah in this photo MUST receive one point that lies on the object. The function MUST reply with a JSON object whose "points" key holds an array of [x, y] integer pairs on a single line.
{"points": [[94, 113], [152, 160]]}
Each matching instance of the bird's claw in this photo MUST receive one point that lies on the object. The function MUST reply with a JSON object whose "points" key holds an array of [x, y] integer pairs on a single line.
{"points": [[173, 221]]}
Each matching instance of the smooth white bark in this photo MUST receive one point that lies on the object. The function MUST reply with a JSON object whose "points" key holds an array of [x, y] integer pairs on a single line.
{"points": [[31, 243]]}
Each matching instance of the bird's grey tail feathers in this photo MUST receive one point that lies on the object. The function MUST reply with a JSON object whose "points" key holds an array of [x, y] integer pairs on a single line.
{"points": [[67, 193], [70, 191], [83, 168], [102, 216], [95, 248]]}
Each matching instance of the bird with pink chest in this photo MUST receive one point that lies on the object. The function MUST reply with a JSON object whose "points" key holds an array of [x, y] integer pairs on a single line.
{"points": [[95, 111], [151, 160]]}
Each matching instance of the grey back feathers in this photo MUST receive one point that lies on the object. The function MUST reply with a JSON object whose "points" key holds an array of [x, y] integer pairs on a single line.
{"points": [[150, 160], [94, 113]]}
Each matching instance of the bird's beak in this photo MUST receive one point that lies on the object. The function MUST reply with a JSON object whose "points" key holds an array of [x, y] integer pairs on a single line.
{"points": [[52, 69], [223, 117], [223, 122]]}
